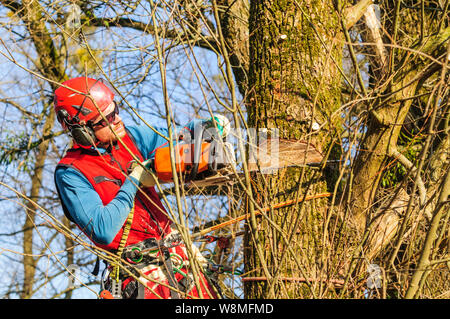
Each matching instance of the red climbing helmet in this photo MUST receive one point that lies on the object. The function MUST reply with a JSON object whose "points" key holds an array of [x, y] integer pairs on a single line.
{"points": [[81, 107]]}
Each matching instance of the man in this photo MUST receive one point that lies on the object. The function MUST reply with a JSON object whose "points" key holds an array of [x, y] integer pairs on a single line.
{"points": [[114, 204]]}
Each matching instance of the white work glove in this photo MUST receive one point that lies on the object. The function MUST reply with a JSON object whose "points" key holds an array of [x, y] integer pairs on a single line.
{"points": [[142, 173], [223, 124]]}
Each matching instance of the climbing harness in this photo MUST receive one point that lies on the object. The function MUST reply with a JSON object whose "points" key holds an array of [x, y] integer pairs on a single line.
{"points": [[146, 249], [149, 252]]}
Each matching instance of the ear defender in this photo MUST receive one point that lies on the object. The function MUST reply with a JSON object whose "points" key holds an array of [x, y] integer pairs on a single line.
{"points": [[82, 134]]}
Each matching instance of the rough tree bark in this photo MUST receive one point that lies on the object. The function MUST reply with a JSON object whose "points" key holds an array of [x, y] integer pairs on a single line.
{"points": [[294, 84]]}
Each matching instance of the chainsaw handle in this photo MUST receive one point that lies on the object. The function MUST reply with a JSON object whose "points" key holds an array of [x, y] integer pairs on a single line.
{"points": [[197, 151]]}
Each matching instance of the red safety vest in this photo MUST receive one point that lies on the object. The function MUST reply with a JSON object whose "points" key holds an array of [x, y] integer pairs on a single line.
{"points": [[106, 173]]}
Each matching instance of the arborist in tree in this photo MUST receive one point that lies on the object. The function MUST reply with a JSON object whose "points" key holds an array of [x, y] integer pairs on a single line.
{"points": [[113, 201]]}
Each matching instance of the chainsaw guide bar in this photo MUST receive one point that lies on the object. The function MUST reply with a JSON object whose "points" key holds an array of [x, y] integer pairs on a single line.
{"points": [[204, 164], [271, 156]]}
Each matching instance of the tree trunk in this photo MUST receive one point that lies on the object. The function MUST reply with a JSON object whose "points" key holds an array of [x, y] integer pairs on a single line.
{"points": [[234, 23], [294, 85]]}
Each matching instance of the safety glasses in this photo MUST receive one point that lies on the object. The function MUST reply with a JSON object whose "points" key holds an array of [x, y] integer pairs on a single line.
{"points": [[110, 118]]}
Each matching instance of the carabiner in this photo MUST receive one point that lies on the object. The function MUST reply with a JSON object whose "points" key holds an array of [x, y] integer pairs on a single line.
{"points": [[137, 256]]}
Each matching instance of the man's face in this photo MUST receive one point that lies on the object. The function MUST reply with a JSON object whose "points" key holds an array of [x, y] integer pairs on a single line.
{"points": [[103, 132]]}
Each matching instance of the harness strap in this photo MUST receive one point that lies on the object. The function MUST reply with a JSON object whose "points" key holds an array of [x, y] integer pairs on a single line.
{"points": [[123, 241]]}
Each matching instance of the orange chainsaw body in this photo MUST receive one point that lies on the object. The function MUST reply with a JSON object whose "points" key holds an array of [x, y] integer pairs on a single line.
{"points": [[184, 160]]}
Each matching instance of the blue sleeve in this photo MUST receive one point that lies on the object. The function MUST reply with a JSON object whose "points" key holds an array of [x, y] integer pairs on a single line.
{"points": [[148, 141], [100, 222]]}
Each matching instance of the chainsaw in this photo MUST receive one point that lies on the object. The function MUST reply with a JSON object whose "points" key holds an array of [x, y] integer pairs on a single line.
{"points": [[206, 159], [203, 158]]}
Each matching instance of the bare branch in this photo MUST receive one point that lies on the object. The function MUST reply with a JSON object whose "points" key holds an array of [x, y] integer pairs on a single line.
{"points": [[356, 12]]}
